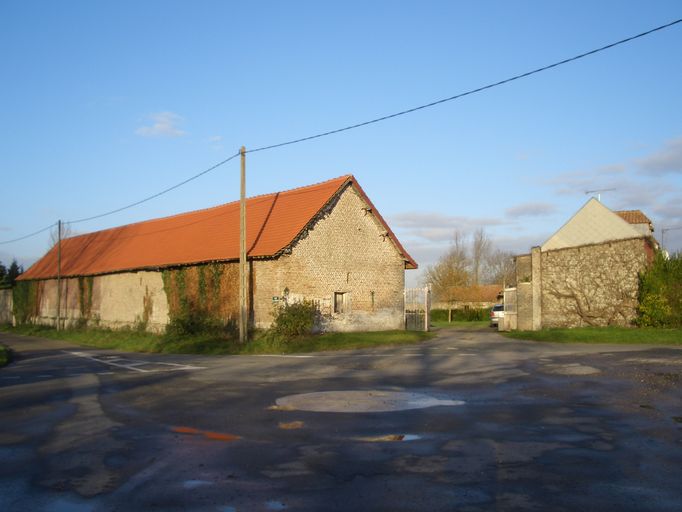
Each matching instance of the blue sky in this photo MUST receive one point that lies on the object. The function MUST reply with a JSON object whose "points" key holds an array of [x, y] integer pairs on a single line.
{"points": [[104, 104]]}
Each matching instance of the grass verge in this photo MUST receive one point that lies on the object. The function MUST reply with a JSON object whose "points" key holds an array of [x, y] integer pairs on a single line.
{"points": [[614, 335], [261, 343]]}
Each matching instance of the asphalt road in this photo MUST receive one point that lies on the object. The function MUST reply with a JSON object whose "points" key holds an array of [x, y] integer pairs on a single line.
{"points": [[467, 422]]}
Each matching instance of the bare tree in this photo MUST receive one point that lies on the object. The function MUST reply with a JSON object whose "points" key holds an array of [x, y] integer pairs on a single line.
{"points": [[480, 251], [469, 262], [499, 268], [452, 269], [67, 232]]}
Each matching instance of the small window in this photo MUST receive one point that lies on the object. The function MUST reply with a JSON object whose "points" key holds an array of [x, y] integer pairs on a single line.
{"points": [[340, 302]]}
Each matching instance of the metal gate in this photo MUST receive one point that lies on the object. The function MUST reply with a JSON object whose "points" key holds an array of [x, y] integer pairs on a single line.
{"points": [[417, 309]]}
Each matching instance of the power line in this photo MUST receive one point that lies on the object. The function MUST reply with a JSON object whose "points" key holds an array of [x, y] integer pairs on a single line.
{"points": [[365, 123], [29, 235], [155, 195], [467, 93]]}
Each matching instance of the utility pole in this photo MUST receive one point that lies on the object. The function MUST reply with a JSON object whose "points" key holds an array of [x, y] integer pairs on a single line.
{"points": [[664, 231], [243, 312], [59, 274]]}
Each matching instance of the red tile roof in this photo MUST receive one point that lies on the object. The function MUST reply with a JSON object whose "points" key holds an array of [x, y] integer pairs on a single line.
{"points": [[273, 222], [480, 293], [633, 216]]}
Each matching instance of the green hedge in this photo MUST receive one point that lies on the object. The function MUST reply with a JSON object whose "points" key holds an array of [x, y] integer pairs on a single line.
{"points": [[660, 293], [460, 315]]}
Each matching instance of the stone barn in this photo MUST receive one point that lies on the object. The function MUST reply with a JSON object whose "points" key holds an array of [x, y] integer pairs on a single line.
{"points": [[586, 274], [324, 243]]}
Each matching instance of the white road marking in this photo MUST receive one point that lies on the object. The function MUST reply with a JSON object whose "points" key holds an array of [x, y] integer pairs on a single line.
{"points": [[121, 362], [46, 376], [110, 363]]}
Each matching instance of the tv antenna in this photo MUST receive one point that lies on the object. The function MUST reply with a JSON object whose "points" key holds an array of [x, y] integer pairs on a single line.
{"points": [[598, 192]]}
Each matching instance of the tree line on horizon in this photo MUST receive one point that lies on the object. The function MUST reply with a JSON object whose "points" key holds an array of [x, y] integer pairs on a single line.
{"points": [[469, 261], [8, 275]]}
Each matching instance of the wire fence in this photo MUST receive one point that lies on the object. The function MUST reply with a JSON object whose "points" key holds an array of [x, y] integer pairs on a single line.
{"points": [[417, 309]]}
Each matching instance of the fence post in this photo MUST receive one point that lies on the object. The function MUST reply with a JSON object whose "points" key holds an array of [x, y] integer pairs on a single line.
{"points": [[427, 309]]}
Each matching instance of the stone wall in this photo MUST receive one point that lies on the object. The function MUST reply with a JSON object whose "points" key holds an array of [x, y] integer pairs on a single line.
{"points": [[345, 253], [6, 316], [593, 285], [523, 268]]}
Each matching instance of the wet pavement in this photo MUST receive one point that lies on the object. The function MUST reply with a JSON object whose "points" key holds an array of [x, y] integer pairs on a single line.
{"points": [[470, 421]]}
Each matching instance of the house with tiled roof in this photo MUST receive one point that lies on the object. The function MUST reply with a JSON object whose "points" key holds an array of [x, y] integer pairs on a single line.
{"points": [[325, 243], [638, 220], [585, 274], [471, 297]]}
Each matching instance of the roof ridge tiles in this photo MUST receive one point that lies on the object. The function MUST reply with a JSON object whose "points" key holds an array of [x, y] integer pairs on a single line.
{"points": [[346, 177]]}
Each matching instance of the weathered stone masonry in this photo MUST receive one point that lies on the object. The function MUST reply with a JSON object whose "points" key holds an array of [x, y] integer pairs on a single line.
{"points": [[589, 285], [347, 253], [593, 285]]}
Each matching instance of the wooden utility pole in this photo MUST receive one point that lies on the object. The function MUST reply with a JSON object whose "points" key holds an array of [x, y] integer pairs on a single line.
{"points": [[243, 311], [59, 274]]}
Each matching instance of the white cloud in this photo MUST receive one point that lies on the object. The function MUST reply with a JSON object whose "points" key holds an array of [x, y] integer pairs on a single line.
{"points": [[530, 210], [165, 124], [668, 159], [215, 138], [437, 227]]}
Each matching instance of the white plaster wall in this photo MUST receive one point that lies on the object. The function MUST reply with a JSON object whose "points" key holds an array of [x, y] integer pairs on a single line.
{"points": [[119, 299]]}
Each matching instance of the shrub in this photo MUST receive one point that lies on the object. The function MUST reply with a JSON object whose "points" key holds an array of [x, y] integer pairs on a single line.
{"points": [[660, 293], [296, 319], [460, 315], [654, 311], [198, 322]]}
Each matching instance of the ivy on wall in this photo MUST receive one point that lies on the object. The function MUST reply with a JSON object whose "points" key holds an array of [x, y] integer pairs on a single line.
{"points": [[201, 298], [26, 300], [85, 285]]}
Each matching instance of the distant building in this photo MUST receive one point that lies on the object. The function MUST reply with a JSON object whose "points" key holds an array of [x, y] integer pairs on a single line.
{"points": [[637, 220], [325, 243], [471, 297], [585, 274]]}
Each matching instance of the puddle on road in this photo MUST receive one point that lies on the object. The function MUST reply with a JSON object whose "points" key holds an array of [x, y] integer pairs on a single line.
{"points": [[570, 369], [389, 438], [194, 484], [361, 401]]}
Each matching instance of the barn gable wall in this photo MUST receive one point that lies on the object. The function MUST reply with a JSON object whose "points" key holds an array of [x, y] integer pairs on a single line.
{"points": [[346, 252]]}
